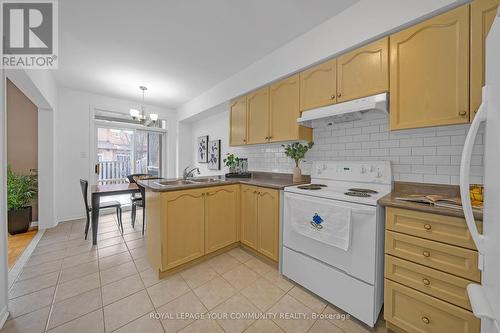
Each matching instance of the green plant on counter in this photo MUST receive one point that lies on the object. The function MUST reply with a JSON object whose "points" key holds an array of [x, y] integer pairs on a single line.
{"points": [[297, 151], [231, 161], [21, 189]]}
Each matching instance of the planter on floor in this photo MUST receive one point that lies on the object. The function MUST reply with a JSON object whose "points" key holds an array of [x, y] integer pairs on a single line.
{"points": [[19, 220]]}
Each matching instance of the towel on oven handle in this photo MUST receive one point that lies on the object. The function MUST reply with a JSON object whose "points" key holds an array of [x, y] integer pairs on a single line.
{"points": [[320, 219]]}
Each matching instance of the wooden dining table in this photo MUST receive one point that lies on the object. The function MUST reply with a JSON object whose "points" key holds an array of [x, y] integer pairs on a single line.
{"points": [[99, 191]]}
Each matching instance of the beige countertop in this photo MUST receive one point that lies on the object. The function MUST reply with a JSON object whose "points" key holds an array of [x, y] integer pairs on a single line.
{"points": [[402, 189], [263, 179]]}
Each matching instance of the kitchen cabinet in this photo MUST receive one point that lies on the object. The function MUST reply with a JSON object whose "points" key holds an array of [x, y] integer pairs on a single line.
{"points": [[238, 122], [260, 220], [258, 116], [482, 16], [429, 72], [221, 216], [364, 71], [284, 111], [318, 85]]}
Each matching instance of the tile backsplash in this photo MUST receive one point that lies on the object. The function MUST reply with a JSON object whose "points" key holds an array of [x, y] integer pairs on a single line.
{"points": [[430, 155]]}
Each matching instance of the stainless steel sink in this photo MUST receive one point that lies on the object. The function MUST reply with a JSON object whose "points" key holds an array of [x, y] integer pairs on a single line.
{"points": [[207, 180], [178, 182]]}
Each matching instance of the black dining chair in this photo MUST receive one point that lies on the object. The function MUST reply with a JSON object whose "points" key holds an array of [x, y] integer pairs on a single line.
{"points": [[142, 204], [133, 180], [84, 184]]}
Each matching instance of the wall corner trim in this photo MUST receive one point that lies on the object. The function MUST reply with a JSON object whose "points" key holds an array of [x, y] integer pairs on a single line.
{"points": [[4, 314]]}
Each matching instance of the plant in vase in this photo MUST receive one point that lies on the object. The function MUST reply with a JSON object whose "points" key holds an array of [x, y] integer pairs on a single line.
{"points": [[231, 161], [21, 190], [297, 151]]}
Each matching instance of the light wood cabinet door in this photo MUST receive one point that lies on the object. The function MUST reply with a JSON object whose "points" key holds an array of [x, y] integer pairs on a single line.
{"points": [[221, 217], [268, 204], [184, 234], [258, 116], [248, 230], [284, 111], [364, 71], [429, 72], [482, 17], [318, 85], [238, 122]]}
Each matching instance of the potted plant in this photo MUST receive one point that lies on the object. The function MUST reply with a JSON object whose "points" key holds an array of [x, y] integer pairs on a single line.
{"points": [[21, 190], [232, 162], [297, 151]]}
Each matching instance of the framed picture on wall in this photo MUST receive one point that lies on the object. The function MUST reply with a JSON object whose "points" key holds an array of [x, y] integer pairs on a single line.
{"points": [[214, 155], [202, 149]]}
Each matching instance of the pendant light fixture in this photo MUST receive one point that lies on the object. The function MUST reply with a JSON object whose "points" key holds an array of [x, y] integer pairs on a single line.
{"points": [[139, 114]]}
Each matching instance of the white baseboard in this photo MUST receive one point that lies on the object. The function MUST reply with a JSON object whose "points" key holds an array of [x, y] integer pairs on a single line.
{"points": [[4, 314]]}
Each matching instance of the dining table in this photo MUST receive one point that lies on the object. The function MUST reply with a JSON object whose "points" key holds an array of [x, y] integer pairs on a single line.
{"points": [[99, 191]]}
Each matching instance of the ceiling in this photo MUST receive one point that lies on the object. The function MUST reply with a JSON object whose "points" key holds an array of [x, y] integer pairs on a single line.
{"points": [[177, 48]]}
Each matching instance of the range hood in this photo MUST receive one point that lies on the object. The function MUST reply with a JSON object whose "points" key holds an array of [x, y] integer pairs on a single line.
{"points": [[347, 111]]}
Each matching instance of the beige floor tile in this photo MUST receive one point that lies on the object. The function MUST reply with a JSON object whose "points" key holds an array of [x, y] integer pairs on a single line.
{"points": [[214, 292], [118, 272], [282, 282], [115, 260], [345, 321], [142, 264], [79, 259], [311, 300], [180, 312], [240, 254], [112, 250], [127, 310], [31, 302], [107, 235], [89, 323], [34, 284], [149, 277], [258, 266], [263, 293], [198, 275], [133, 236], [138, 253], [45, 258], [73, 251], [168, 289], [289, 305], [321, 326], [37, 270], [241, 277], [136, 243], [110, 242], [228, 312], [33, 322], [77, 287], [78, 271], [223, 263], [122, 288], [49, 248], [264, 326], [75, 307], [203, 326], [144, 324]]}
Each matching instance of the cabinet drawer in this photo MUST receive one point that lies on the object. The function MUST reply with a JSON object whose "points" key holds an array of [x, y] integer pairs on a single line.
{"points": [[444, 286], [416, 312], [446, 229], [447, 258]]}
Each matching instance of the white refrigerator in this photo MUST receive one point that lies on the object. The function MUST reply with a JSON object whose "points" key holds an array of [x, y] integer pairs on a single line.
{"points": [[485, 298]]}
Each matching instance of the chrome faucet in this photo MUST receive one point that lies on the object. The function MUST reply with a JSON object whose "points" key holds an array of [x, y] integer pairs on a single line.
{"points": [[187, 174]]}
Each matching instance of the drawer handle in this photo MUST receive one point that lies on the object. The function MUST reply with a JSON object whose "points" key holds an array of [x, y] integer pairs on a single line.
{"points": [[425, 320], [427, 226], [426, 282], [332, 97], [426, 254]]}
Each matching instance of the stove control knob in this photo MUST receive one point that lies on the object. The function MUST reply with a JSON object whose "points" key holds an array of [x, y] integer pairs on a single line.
{"points": [[363, 169], [372, 168], [379, 174]]}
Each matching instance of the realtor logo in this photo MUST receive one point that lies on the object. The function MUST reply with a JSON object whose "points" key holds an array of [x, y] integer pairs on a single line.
{"points": [[29, 34]]}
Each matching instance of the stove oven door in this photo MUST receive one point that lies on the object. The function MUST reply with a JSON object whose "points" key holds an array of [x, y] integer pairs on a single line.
{"points": [[360, 257]]}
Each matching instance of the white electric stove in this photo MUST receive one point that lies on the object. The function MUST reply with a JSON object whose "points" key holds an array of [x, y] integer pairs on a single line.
{"points": [[333, 235]]}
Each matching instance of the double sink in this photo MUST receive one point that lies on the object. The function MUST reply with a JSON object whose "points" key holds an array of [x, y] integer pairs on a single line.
{"points": [[184, 182]]}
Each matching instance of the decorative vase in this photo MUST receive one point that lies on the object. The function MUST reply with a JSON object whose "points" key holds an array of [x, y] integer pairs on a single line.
{"points": [[297, 174], [232, 169]]}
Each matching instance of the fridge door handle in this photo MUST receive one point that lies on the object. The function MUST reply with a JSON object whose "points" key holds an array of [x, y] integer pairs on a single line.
{"points": [[464, 176]]}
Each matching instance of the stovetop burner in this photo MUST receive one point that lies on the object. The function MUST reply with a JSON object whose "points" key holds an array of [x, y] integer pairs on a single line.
{"points": [[312, 186], [357, 194], [362, 190]]}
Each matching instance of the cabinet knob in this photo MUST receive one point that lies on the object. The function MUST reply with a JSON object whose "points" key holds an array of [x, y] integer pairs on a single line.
{"points": [[426, 254], [426, 281], [427, 226], [332, 97], [339, 95], [462, 113], [425, 320]]}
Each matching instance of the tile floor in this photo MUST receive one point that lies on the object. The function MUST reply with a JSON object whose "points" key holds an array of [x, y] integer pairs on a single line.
{"points": [[70, 286]]}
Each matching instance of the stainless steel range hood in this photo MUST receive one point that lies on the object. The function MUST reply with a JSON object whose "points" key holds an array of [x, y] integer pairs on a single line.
{"points": [[347, 111]]}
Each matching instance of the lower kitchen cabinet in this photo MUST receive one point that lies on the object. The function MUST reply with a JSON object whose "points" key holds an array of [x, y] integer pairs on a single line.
{"points": [[260, 220], [221, 216]]}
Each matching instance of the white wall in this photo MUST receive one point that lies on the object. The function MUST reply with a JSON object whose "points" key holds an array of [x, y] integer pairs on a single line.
{"points": [[74, 144], [365, 21]]}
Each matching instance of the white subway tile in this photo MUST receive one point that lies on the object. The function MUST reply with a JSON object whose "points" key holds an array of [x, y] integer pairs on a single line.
{"points": [[422, 151], [427, 169], [437, 160], [437, 179], [437, 141]]}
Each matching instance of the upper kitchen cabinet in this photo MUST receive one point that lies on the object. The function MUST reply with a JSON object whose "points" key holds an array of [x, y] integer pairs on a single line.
{"points": [[364, 71], [238, 122], [482, 16], [284, 111], [318, 85], [258, 116], [429, 72]]}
